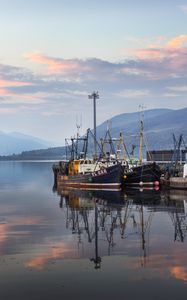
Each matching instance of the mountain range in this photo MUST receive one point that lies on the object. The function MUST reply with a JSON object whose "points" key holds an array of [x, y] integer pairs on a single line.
{"points": [[159, 127], [16, 142]]}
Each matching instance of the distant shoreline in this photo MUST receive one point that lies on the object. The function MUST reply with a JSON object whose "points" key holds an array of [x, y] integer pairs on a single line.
{"points": [[30, 160]]}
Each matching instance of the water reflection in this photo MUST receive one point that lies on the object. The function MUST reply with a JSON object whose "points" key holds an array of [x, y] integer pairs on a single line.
{"points": [[127, 243], [118, 223]]}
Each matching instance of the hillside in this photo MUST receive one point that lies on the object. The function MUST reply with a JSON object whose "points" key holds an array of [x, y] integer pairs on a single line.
{"points": [[159, 126], [15, 142], [56, 153]]}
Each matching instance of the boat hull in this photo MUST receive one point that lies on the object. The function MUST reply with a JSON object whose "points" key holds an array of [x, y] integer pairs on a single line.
{"points": [[108, 178], [144, 175]]}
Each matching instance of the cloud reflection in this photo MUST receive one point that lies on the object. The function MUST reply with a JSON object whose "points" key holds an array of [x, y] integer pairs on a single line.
{"points": [[4, 229], [179, 273], [59, 251], [17, 227]]}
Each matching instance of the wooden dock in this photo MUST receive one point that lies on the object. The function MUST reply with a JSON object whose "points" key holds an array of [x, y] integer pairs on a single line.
{"points": [[178, 183]]}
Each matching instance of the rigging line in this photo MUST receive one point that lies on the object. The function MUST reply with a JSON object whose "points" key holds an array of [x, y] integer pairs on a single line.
{"points": [[91, 133], [146, 145]]}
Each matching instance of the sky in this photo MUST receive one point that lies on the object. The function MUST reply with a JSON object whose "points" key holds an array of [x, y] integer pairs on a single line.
{"points": [[54, 53]]}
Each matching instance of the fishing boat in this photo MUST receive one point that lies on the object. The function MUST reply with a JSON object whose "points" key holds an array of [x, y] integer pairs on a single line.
{"points": [[142, 174], [175, 176], [80, 171], [87, 174]]}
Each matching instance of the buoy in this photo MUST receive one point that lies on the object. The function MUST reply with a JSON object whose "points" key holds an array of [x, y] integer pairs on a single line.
{"points": [[156, 188]]}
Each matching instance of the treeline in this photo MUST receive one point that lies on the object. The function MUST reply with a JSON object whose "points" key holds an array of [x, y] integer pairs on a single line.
{"points": [[41, 154]]}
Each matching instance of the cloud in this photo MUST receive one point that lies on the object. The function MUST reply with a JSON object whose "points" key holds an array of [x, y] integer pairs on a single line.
{"points": [[7, 110], [173, 48], [176, 42], [133, 93], [11, 83], [74, 70], [178, 88], [57, 65], [157, 70], [160, 61], [183, 8], [156, 61], [170, 95], [55, 112], [149, 54], [3, 92], [14, 86], [17, 97]]}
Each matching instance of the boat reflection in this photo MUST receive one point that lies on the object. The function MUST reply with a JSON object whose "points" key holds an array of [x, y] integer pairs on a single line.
{"points": [[115, 223]]}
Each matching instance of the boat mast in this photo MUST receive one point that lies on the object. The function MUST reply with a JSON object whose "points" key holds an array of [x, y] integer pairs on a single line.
{"points": [[141, 142], [79, 125], [141, 134], [94, 96]]}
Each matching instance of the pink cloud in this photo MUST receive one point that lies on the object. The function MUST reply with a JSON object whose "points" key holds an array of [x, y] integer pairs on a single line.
{"points": [[172, 48], [4, 92], [149, 54], [171, 57], [177, 42], [8, 95], [11, 83], [12, 97], [6, 110], [16, 96], [55, 65]]}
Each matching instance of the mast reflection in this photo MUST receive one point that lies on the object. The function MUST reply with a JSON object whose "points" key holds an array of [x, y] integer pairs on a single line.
{"points": [[111, 219]]}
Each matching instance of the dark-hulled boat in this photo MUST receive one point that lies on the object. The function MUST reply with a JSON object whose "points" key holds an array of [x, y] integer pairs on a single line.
{"points": [[102, 176], [81, 172], [142, 175]]}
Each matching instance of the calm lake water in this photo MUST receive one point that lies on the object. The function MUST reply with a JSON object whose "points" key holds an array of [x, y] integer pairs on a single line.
{"points": [[88, 245]]}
